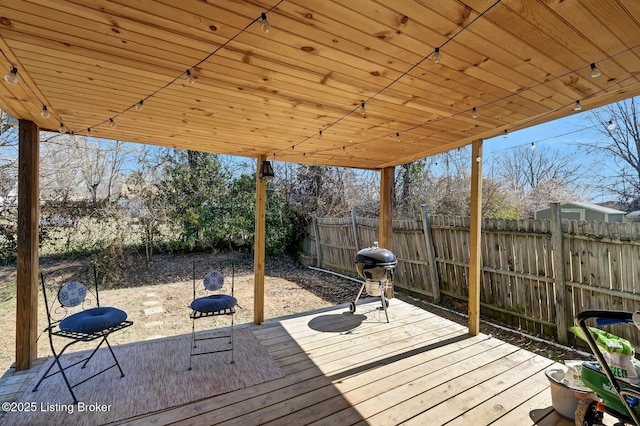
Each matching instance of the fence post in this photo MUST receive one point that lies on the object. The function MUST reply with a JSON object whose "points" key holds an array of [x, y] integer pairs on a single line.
{"points": [[356, 233], [316, 233], [431, 255], [558, 272]]}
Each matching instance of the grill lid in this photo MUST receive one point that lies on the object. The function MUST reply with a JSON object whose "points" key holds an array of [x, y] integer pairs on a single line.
{"points": [[375, 256]]}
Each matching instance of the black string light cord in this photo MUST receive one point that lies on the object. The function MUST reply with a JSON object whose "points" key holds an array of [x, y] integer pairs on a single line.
{"points": [[495, 101], [361, 106], [111, 119]]}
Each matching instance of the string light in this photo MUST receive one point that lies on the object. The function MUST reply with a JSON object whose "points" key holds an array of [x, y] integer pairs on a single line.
{"points": [[139, 106], [363, 110], [578, 106], [595, 72], [505, 134], [265, 26], [45, 112], [474, 113], [61, 129], [112, 123], [478, 159], [437, 56], [12, 76], [190, 78], [320, 134], [533, 146], [398, 138], [88, 132], [344, 148], [611, 125]]}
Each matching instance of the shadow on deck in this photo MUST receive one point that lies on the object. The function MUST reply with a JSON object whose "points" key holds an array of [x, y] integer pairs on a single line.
{"points": [[343, 368]]}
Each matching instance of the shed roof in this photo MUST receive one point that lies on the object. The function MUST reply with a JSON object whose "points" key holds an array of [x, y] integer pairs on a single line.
{"points": [[518, 62], [590, 206]]}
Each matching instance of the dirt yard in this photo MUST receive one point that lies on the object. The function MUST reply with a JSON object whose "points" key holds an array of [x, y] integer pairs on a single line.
{"points": [[156, 297]]}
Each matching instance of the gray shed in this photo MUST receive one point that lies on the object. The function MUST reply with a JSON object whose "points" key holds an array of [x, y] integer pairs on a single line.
{"points": [[583, 211]]}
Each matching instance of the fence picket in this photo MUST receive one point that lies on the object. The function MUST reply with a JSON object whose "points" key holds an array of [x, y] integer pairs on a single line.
{"points": [[601, 263]]}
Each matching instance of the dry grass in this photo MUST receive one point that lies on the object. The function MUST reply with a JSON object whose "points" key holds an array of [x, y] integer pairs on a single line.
{"points": [[156, 298]]}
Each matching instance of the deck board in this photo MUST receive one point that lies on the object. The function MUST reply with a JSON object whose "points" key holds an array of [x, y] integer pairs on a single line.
{"points": [[358, 369], [417, 369]]}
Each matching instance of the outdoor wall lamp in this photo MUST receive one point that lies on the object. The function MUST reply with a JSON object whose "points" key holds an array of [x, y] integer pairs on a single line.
{"points": [[266, 171]]}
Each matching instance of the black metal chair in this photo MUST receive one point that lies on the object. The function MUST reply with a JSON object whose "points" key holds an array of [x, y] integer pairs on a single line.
{"points": [[210, 301], [75, 315]]}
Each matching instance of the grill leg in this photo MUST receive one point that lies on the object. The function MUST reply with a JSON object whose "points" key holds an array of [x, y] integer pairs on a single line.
{"points": [[384, 301]]}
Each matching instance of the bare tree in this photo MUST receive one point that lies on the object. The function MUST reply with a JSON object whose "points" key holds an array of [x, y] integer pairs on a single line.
{"points": [[70, 163], [535, 177], [618, 124]]}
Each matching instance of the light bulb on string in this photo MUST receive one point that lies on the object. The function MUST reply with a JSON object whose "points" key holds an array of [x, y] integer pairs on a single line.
{"points": [[139, 106], [363, 110], [265, 26], [478, 159], [505, 134], [12, 76], [45, 112], [578, 106], [611, 125], [474, 113], [190, 78], [344, 148], [398, 138], [595, 72], [437, 56], [533, 146], [293, 147], [61, 129], [88, 132], [112, 123], [320, 134]]}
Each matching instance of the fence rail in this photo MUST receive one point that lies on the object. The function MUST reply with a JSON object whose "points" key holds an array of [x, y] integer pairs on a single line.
{"points": [[524, 281]]}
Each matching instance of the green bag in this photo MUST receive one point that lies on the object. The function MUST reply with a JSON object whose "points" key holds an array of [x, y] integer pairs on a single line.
{"points": [[617, 351]]}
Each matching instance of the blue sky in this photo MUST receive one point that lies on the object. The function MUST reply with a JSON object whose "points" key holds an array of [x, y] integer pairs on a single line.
{"points": [[564, 135]]}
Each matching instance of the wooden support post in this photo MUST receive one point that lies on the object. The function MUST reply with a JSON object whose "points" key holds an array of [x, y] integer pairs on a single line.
{"points": [[27, 261], [385, 231], [431, 255], [259, 245], [558, 273], [475, 232]]}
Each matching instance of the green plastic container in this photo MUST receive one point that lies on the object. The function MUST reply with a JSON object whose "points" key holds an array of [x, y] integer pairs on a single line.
{"points": [[594, 378]]}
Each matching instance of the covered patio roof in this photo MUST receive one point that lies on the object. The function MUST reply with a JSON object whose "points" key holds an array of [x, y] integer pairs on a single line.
{"points": [[368, 84], [519, 63]]}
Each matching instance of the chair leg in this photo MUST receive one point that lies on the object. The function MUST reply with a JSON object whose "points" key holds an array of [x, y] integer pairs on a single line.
{"points": [[193, 340], [231, 340], [113, 355], [57, 362], [93, 353]]}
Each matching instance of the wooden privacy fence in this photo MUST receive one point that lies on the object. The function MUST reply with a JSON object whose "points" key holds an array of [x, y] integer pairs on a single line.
{"points": [[525, 281]]}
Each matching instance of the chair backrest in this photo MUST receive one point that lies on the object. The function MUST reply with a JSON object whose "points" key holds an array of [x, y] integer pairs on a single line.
{"points": [[210, 275], [69, 289]]}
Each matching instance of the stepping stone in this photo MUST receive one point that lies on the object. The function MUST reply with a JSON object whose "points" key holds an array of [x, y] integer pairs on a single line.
{"points": [[151, 295], [154, 310], [153, 324], [150, 302]]}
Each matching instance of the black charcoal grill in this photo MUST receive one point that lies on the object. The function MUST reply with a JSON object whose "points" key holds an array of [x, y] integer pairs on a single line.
{"points": [[375, 265]]}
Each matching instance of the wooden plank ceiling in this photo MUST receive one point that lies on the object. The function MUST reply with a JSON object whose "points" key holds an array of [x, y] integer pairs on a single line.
{"points": [[518, 62]]}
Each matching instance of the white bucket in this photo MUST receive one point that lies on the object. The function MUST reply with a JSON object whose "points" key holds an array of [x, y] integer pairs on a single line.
{"points": [[563, 398]]}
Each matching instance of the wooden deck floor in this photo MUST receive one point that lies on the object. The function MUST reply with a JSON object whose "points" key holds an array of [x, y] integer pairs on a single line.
{"points": [[419, 369]]}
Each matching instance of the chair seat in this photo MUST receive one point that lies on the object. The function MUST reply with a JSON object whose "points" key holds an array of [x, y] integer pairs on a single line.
{"points": [[214, 303], [93, 320]]}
